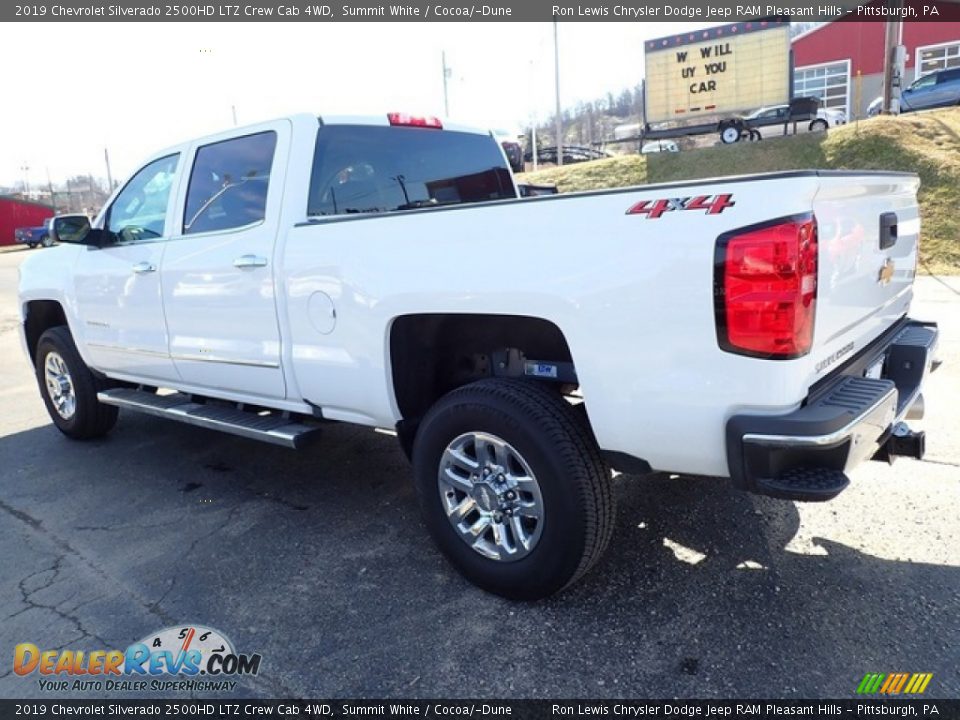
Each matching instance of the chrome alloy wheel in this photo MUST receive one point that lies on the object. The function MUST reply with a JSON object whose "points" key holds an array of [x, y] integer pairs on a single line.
{"points": [[59, 385], [491, 496]]}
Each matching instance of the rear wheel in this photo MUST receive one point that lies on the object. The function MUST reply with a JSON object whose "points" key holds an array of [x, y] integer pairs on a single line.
{"points": [[512, 487], [69, 389], [31, 245]]}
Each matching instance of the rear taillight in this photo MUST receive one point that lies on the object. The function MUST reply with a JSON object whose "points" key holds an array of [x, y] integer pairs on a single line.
{"points": [[765, 293], [424, 121]]}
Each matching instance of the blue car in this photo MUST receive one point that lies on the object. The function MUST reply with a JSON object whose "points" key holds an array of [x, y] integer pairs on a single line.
{"points": [[938, 89]]}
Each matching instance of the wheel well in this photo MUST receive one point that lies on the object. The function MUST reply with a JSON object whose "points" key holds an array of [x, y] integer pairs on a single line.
{"points": [[432, 354], [41, 316]]}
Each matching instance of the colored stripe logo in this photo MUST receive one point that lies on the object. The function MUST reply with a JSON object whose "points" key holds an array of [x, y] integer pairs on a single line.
{"points": [[894, 683]]}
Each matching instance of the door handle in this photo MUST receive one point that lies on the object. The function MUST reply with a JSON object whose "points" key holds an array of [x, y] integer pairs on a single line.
{"points": [[144, 267], [250, 261]]}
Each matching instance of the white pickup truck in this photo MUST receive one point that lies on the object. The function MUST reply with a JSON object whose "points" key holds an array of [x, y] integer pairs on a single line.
{"points": [[383, 271]]}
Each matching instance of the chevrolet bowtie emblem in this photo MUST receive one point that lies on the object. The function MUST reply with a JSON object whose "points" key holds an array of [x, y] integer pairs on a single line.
{"points": [[886, 272]]}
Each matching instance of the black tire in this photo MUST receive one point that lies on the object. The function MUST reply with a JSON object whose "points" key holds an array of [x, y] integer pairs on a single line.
{"points": [[32, 246], [755, 136], [45, 241], [91, 419], [578, 505], [818, 125]]}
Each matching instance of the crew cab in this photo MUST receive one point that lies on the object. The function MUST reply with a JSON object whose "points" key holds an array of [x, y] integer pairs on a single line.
{"points": [[383, 271]]}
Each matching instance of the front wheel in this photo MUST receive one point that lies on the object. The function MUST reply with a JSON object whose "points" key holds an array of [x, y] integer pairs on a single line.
{"points": [[818, 125], [46, 241], [512, 487], [69, 389]]}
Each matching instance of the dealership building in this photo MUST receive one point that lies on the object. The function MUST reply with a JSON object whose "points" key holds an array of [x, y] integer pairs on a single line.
{"points": [[842, 62]]}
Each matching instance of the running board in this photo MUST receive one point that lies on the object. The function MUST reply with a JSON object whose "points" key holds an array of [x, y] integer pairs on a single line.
{"points": [[273, 428]]}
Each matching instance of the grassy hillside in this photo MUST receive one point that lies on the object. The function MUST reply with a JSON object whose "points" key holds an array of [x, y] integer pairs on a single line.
{"points": [[927, 144]]}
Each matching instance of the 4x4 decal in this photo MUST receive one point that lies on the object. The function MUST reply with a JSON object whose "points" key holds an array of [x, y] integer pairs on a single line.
{"points": [[653, 209]]}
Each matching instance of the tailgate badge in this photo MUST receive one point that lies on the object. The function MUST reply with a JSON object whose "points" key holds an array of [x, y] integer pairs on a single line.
{"points": [[886, 272]]}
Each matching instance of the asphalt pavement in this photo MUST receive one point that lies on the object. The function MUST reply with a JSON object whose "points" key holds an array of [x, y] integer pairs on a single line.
{"points": [[318, 561]]}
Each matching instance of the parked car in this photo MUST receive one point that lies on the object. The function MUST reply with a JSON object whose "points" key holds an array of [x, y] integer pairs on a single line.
{"points": [[34, 236], [832, 116], [770, 121], [874, 108], [571, 154], [511, 148], [384, 272], [938, 89], [526, 189], [658, 146]]}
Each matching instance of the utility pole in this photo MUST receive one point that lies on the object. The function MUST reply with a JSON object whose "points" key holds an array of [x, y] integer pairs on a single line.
{"points": [[556, 74], [890, 39], [533, 143], [446, 76], [26, 180], [50, 190], [533, 119], [106, 158]]}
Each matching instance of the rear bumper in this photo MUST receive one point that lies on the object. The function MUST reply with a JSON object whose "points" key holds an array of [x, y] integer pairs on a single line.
{"points": [[847, 419]]}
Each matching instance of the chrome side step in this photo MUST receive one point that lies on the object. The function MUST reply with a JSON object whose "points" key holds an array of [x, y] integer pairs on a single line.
{"points": [[273, 428]]}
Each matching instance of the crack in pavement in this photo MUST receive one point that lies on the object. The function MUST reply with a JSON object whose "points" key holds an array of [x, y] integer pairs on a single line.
{"points": [[948, 463], [26, 596], [118, 528], [68, 549]]}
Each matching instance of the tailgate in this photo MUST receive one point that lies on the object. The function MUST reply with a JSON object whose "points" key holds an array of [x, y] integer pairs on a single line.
{"points": [[868, 228]]}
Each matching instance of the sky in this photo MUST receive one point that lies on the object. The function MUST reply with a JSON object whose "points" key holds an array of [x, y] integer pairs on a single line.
{"points": [[134, 88]]}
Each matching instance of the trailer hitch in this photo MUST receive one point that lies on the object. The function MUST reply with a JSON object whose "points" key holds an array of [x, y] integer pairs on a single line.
{"points": [[902, 442]]}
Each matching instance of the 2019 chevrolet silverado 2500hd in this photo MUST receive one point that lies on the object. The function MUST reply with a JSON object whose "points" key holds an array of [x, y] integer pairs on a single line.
{"points": [[382, 271]]}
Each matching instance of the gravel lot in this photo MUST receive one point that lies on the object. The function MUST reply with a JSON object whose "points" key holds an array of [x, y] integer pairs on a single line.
{"points": [[318, 561]]}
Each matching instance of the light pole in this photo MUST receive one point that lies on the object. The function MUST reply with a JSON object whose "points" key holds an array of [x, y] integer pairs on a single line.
{"points": [[446, 76], [106, 159], [26, 180], [50, 190], [556, 74]]}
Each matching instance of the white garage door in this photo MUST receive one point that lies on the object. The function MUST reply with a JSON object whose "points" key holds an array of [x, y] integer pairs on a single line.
{"points": [[937, 57], [829, 82]]}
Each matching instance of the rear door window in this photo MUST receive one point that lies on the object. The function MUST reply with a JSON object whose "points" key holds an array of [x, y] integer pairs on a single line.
{"points": [[365, 169], [229, 183]]}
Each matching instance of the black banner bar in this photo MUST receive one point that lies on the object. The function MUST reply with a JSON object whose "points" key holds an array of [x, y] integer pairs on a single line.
{"points": [[480, 11], [451, 709]]}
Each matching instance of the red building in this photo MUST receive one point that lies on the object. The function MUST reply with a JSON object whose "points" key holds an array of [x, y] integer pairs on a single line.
{"points": [[15, 213], [842, 62]]}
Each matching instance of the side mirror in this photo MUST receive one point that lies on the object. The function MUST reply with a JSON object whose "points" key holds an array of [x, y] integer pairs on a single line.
{"points": [[70, 229], [76, 229]]}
